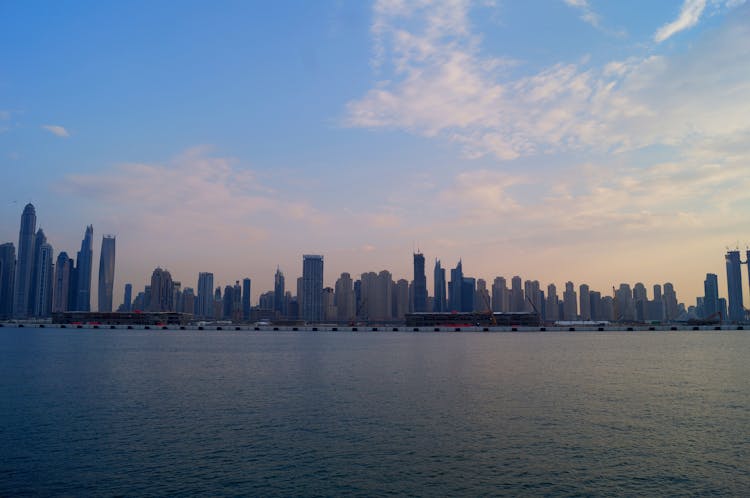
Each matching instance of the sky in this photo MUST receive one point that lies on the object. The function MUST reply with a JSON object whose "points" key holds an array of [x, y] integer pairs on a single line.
{"points": [[593, 141]]}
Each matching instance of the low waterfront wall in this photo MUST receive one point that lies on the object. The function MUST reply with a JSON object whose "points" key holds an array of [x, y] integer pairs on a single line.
{"points": [[374, 328]]}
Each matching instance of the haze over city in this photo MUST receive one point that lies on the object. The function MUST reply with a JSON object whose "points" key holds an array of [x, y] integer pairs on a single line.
{"points": [[573, 140]]}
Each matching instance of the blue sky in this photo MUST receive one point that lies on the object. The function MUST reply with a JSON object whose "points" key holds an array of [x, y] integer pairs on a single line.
{"points": [[593, 141]]}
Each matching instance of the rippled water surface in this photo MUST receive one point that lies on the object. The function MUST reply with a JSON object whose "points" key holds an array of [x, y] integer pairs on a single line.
{"points": [[288, 414]]}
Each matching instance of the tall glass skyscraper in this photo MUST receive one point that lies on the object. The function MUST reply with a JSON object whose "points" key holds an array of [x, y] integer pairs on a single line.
{"points": [[711, 295], [106, 273], [25, 266], [246, 283], [7, 276], [420, 284], [455, 287], [61, 287], [734, 286], [205, 306], [127, 298], [278, 292], [312, 288], [438, 303], [44, 281], [83, 271]]}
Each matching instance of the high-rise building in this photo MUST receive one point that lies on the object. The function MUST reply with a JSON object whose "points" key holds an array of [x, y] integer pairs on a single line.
{"points": [[83, 271], [734, 286], [670, 302], [44, 281], [711, 296], [623, 303], [61, 287], [127, 304], [188, 301], [330, 313], [345, 299], [162, 291], [517, 301], [278, 292], [227, 302], [312, 288], [237, 302], [468, 289], [595, 300], [106, 273], [552, 308], [420, 284], [455, 287], [25, 266], [584, 298], [246, 283], [7, 277], [439, 303], [482, 300], [570, 302], [640, 302], [500, 295], [39, 240], [205, 304], [401, 299]]}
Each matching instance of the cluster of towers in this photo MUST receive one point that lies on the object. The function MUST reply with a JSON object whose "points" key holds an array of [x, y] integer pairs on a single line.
{"points": [[377, 298], [36, 284]]}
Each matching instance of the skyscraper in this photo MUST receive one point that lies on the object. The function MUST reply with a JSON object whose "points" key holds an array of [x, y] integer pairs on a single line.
{"points": [[106, 273], [205, 305], [455, 286], [670, 302], [499, 295], [400, 299], [7, 277], [585, 300], [25, 265], [517, 301], [312, 288], [278, 292], [61, 287], [468, 289], [570, 304], [83, 271], [711, 295], [438, 303], [237, 302], [162, 291], [552, 307], [127, 304], [420, 284], [39, 240], [246, 299], [734, 286], [44, 281], [344, 298]]}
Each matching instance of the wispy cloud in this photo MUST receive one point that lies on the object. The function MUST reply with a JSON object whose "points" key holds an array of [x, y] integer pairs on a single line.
{"points": [[57, 130], [689, 16], [589, 16], [443, 86]]}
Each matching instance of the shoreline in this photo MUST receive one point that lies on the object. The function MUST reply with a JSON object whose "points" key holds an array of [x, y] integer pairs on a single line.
{"points": [[381, 328]]}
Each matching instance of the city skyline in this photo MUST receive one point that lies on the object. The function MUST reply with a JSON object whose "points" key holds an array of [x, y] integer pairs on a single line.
{"points": [[377, 296], [556, 141]]}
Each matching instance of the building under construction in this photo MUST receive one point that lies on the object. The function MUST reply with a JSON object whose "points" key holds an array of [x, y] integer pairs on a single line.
{"points": [[473, 319]]}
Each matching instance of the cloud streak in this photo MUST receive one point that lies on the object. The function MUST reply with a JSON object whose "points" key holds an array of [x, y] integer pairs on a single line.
{"points": [[689, 16], [57, 130]]}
